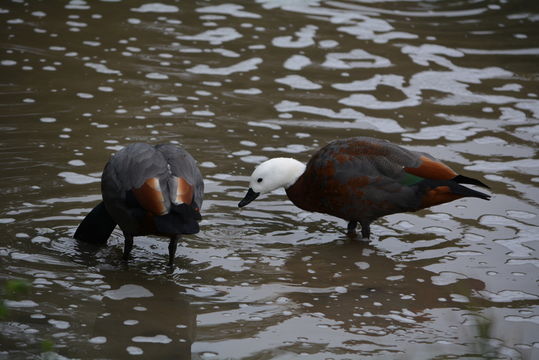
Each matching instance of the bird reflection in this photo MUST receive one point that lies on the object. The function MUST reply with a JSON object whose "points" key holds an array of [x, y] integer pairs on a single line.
{"points": [[356, 284]]}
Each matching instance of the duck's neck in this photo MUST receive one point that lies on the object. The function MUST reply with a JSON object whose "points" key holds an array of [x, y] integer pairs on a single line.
{"points": [[298, 193], [293, 170]]}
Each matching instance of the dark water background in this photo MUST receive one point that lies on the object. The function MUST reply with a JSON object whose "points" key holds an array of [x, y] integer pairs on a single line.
{"points": [[239, 82]]}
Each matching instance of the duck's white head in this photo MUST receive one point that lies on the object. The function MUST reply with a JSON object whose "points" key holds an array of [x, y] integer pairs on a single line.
{"points": [[271, 175]]}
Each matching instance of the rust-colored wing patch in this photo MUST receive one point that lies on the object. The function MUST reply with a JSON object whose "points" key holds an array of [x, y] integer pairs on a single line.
{"points": [[184, 192], [150, 197], [438, 195], [431, 169]]}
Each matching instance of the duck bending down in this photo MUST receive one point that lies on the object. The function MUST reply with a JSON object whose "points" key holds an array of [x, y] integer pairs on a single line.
{"points": [[361, 179], [147, 190]]}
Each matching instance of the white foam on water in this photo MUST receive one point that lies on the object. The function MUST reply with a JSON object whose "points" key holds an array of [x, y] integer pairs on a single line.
{"points": [[527, 166], [207, 125], [156, 8], [128, 291], [40, 240], [92, 43], [509, 87], [156, 76], [297, 62], [454, 132], [203, 113], [38, 14], [391, 80], [517, 214], [356, 58], [264, 124], [134, 350], [291, 148], [20, 303], [507, 296], [303, 38], [208, 164], [243, 66], [159, 339], [178, 110], [298, 82], [328, 44], [76, 162], [371, 102], [251, 91], [254, 159], [215, 36], [77, 179], [8, 62], [534, 319], [229, 9], [360, 119], [100, 68], [59, 324], [446, 278], [98, 340]]}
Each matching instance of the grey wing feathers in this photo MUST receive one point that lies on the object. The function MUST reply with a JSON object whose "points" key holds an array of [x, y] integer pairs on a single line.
{"points": [[133, 165], [182, 164]]}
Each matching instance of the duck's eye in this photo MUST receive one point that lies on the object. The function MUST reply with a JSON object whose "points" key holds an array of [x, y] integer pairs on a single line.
{"points": [[259, 180]]}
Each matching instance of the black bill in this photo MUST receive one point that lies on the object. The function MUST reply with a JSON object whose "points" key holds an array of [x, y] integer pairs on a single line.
{"points": [[250, 196]]}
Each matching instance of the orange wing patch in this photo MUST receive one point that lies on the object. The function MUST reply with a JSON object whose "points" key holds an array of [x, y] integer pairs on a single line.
{"points": [[430, 169], [150, 197], [438, 195], [184, 192]]}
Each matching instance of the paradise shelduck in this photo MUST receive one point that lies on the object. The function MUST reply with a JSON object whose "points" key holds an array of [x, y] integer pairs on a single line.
{"points": [[361, 179], [147, 190]]}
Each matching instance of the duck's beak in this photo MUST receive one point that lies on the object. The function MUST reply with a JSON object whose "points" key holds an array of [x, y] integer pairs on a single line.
{"points": [[250, 196]]}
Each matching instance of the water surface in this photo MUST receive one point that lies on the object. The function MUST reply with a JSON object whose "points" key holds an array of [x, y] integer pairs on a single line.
{"points": [[236, 83]]}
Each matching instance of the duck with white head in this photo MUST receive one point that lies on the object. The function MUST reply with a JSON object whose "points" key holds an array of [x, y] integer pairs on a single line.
{"points": [[271, 175], [361, 179]]}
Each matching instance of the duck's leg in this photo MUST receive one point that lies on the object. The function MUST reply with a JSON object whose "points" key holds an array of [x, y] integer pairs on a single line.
{"points": [[128, 245], [172, 246], [365, 230], [351, 229]]}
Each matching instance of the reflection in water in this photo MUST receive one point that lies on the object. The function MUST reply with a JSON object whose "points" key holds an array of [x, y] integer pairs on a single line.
{"points": [[154, 319], [238, 83], [359, 302]]}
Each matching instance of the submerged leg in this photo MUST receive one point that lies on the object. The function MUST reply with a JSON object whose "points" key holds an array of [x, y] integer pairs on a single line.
{"points": [[128, 245], [351, 229], [172, 246], [365, 230]]}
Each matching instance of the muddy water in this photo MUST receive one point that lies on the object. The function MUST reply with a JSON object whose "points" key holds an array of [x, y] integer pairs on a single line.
{"points": [[239, 82]]}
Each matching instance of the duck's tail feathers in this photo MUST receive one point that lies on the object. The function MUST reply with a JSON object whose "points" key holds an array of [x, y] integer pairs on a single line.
{"points": [[96, 227], [465, 191], [461, 179]]}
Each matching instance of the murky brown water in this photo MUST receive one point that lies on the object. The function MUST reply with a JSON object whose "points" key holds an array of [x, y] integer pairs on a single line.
{"points": [[239, 82]]}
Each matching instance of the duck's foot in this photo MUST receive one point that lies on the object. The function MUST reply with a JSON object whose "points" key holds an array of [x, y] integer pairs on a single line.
{"points": [[128, 245], [351, 229], [366, 231], [172, 246]]}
